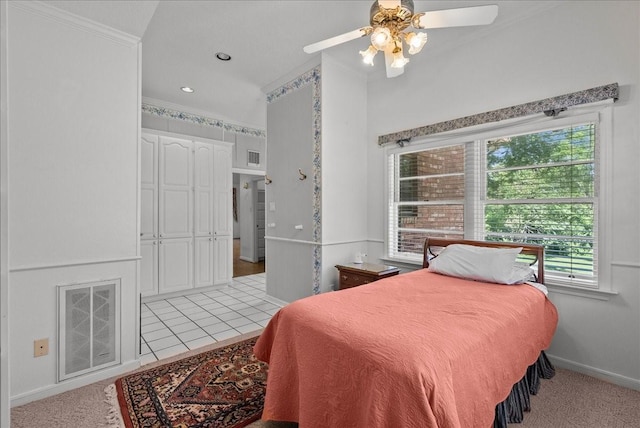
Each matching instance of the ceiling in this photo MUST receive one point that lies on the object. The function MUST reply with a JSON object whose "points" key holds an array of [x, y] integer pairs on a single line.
{"points": [[265, 40]]}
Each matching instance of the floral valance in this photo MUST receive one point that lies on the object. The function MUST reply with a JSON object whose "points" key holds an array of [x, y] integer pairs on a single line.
{"points": [[548, 106]]}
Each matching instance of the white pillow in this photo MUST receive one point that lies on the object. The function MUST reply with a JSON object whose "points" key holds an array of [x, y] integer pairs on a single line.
{"points": [[478, 263], [521, 273]]}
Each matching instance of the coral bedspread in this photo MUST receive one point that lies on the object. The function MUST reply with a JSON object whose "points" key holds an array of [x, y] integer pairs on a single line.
{"points": [[414, 350]]}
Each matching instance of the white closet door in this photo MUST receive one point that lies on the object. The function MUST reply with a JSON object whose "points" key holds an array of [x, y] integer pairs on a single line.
{"points": [[175, 262], [176, 188], [223, 188], [149, 268], [204, 262], [222, 259], [149, 186], [203, 185]]}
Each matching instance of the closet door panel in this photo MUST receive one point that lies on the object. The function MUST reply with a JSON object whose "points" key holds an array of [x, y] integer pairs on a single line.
{"points": [[175, 213], [204, 262], [149, 268], [175, 263], [222, 259], [203, 185], [223, 188], [148, 213], [149, 159], [149, 186], [175, 188]]}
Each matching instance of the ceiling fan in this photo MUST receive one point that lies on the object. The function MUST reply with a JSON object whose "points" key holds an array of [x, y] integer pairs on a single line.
{"points": [[390, 18]]}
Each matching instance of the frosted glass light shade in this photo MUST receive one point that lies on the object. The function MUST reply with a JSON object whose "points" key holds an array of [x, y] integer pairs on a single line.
{"points": [[368, 55], [380, 38], [398, 59], [415, 41]]}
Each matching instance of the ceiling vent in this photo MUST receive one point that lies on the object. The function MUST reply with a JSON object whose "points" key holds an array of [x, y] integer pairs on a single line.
{"points": [[253, 158]]}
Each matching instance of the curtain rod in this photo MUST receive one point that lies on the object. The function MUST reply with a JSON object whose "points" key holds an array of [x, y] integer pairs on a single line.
{"points": [[549, 106]]}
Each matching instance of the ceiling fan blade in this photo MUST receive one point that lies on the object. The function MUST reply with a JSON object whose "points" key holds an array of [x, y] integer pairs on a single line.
{"points": [[342, 38], [391, 71], [466, 16]]}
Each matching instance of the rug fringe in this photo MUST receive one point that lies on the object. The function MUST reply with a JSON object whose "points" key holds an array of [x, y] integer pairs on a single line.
{"points": [[114, 418]]}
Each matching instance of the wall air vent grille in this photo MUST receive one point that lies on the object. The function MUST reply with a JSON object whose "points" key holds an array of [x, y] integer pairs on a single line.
{"points": [[253, 158], [89, 327]]}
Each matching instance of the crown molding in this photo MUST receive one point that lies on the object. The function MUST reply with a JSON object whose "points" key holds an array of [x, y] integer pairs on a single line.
{"points": [[74, 21]]}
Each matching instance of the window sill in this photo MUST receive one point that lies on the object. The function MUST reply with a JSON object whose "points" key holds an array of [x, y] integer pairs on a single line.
{"points": [[590, 293], [403, 263]]}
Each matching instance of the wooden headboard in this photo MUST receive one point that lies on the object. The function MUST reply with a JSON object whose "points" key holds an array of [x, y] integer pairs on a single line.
{"points": [[533, 250]]}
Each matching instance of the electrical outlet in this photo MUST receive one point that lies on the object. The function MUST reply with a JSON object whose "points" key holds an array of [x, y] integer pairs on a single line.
{"points": [[40, 347]]}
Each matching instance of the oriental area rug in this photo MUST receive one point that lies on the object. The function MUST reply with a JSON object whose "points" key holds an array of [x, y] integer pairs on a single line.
{"points": [[222, 388]]}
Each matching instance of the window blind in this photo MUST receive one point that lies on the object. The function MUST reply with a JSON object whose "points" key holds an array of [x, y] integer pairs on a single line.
{"points": [[541, 188], [426, 198]]}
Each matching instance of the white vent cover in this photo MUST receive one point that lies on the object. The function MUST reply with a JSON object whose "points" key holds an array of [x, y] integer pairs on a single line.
{"points": [[253, 158], [89, 327]]}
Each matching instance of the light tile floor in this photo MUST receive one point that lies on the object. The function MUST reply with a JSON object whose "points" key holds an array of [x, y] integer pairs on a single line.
{"points": [[179, 324]]}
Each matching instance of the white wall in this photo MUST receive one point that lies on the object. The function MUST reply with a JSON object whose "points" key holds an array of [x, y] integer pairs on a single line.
{"points": [[344, 148], [73, 118], [4, 255], [344, 167], [571, 47], [289, 201]]}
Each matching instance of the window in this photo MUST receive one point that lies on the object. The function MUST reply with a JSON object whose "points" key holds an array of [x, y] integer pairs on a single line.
{"points": [[540, 189], [535, 184], [429, 193]]}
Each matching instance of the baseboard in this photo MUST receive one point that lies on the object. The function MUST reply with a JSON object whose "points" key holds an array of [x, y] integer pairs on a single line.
{"points": [[275, 301], [180, 293], [604, 375], [247, 259], [50, 390]]}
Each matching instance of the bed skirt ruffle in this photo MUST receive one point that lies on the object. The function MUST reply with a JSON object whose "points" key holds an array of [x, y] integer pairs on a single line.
{"points": [[512, 409]]}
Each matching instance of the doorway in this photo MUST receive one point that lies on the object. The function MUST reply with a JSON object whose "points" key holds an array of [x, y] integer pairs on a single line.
{"points": [[249, 224]]}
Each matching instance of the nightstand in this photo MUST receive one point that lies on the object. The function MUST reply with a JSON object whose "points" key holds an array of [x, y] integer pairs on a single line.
{"points": [[354, 274]]}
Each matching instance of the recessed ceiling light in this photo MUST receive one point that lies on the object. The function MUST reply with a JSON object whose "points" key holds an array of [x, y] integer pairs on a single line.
{"points": [[223, 56], [186, 89]]}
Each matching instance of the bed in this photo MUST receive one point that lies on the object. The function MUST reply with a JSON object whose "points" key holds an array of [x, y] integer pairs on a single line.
{"points": [[420, 349]]}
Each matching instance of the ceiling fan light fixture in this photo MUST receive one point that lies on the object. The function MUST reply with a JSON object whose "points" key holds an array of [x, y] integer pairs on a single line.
{"points": [[415, 41], [393, 23], [380, 38], [368, 55]]}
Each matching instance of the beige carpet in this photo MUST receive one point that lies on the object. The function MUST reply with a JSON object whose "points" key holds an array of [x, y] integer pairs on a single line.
{"points": [[568, 400]]}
